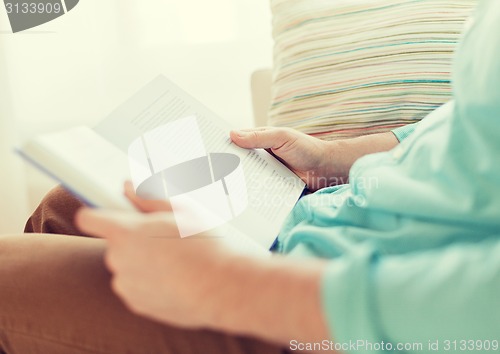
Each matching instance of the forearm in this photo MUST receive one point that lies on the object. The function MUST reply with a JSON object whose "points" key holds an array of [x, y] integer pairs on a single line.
{"points": [[341, 154], [273, 299]]}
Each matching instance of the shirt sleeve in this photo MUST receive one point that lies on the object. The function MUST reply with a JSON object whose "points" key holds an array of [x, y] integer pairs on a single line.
{"points": [[405, 131], [429, 298]]}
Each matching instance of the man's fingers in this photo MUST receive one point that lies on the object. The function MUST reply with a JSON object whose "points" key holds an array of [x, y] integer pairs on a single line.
{"points": [[114, 225], [145, 205], [260, 138], [99, 223]]}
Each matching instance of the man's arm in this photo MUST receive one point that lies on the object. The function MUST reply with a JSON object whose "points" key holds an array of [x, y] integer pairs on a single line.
{"points": [[319, 163], [448, 295], [348, 151], [201, 283], [351, 150], [276, 299]]}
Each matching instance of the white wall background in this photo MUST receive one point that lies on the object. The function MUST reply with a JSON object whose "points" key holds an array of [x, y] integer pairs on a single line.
{"points": [[76, 69]]}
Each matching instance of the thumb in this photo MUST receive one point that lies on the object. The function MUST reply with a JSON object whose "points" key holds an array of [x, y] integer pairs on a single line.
{"points": [[145, 205], [263, 138]]}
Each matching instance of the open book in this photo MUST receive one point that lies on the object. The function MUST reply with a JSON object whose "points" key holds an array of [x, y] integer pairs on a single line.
{"points": [[171, 146]]}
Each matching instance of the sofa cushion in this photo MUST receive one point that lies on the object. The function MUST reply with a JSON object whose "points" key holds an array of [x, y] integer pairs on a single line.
{"points": [[345, 68]]}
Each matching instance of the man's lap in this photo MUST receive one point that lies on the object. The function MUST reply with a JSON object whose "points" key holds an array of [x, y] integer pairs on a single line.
{"points": [[59, 298], [56, 298]]}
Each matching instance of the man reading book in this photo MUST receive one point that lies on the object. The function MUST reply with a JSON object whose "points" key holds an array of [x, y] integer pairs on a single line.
{"points": [[413, 257]]}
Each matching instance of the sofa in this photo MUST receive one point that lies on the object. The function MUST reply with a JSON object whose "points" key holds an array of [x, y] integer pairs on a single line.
{"points": [[347, 68]]}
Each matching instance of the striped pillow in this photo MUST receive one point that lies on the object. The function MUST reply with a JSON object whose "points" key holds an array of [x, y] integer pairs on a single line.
{"points": [[344, 68]]}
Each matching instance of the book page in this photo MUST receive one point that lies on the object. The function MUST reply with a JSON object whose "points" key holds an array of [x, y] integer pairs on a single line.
{"points": [[183, 129]]}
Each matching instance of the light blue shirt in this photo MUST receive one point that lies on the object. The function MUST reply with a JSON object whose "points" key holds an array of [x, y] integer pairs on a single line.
{"points": [[414, 239]]}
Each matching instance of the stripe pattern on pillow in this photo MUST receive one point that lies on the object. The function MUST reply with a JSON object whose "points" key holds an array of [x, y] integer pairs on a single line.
{"points": [[345, 68]]}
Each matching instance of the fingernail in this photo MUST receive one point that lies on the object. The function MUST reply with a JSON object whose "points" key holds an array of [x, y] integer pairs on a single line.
{"points": [[241, 133]]}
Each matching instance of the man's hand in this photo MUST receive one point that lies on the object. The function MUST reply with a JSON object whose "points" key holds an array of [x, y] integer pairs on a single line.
{"points": [[318, 163], [311, 159], [155, 272]]}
